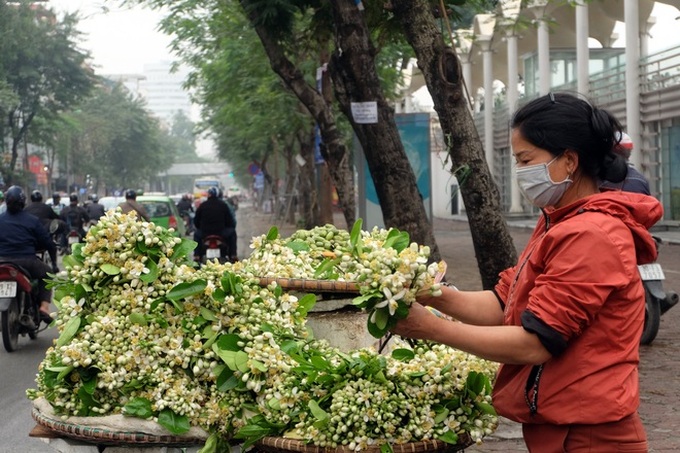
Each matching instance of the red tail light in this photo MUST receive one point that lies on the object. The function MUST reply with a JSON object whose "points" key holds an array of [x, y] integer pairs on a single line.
{"points": [[172, 222]]}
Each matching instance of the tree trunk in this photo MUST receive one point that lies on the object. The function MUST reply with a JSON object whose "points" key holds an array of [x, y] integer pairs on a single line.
{"points": [[355, 79], [334, 152], [441, 67]]}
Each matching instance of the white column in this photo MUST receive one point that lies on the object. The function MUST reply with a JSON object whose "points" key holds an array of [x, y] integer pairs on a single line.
{"points": [[512, 95], [485, 44], [544, 72], [631, 17], [582, 50]]}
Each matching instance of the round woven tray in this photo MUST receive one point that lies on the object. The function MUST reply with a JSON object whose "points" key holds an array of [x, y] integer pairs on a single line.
{"points": [[317, 286], [102, 436], [279, 444]]}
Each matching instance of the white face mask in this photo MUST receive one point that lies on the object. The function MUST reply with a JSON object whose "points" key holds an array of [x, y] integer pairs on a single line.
{"points": [[537, 186]]}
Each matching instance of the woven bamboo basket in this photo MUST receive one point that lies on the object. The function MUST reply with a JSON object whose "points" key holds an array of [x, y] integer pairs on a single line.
{"points": [[310, 285], [281, 445], [101, 436]]}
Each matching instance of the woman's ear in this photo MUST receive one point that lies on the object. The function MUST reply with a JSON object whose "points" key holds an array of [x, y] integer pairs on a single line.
{"points": [[571, 161]]}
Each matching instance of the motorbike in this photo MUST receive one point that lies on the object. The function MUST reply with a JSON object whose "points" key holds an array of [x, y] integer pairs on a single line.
{"points": [[19, 302], [72, 237], [657, 300], [216, 248], [188, 218]]}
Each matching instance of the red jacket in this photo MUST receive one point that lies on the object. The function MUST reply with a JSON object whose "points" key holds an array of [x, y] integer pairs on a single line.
{"points": [[578, 277]]}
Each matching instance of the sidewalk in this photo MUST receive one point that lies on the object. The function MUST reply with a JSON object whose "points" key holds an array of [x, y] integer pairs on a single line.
{"points": [[659, 364]]}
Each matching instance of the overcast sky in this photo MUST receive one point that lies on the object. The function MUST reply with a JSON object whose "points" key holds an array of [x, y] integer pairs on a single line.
{"points": [[123, 40]]}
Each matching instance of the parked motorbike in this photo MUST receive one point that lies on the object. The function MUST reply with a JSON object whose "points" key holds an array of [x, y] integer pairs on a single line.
{"points": [[19, 306], [657, 300]]}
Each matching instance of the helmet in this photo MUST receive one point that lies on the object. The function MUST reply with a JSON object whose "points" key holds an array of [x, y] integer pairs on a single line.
{"points": [[212, 192], [15, 199], [131, 194], [73, 198], [624, 145], [94, 198], [36, 196]]}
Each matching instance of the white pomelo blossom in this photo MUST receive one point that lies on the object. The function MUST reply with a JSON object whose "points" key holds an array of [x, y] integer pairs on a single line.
{"points": [[144, 333]]}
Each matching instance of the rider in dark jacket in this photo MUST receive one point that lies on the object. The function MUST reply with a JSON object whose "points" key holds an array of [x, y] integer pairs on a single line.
{"points": [[46, 214], [22, 235], [95, 209], [213, 217], [75, 216]]}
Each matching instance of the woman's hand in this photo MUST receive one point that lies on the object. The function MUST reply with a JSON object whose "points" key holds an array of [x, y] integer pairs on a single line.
{"points": [[419, 323]]}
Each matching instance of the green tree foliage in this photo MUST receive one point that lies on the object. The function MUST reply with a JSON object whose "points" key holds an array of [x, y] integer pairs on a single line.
{"points": [[112, 137], [182, 137], [42, 71]]}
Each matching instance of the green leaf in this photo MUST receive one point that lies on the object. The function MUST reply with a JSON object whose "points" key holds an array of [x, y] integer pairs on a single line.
{"points": [[138, 407], [306, 303], [65, 372], [69, 331], [207, 314], [186, 289], [382, 315], [355, 237], [441, 415], [227, 380], [398, 240], [375, 331], [176, 424], [87, 402], [258, 365], [152, 275], [273, 233], [449, 437], [485, 408], [316, 410], [274, 404], [70, 261], [325, 269], [386, 448], [298, 246], [210, 445], [319, 363], [403, 354], [229, 342], [184, 248], [138, 318], [110, 269]]}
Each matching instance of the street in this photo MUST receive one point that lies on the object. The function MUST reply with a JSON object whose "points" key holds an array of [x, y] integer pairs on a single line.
{"points": [[659, 368]]}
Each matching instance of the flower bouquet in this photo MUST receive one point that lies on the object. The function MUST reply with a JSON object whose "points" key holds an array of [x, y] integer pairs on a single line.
{"points": [[145, 335]]}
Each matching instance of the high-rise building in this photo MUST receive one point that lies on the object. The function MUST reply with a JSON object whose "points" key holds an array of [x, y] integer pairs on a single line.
{"points": [[163, 91]]}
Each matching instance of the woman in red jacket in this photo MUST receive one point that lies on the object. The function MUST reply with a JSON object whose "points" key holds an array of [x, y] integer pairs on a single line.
{"points": [[565, 322]]}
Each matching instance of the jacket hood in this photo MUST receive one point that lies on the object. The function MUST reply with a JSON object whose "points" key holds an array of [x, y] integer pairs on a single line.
{"points": [[638, 212]]}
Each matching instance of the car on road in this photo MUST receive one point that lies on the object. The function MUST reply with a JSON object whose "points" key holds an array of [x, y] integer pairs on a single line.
{"points": [[163, 212], [161, 209]]}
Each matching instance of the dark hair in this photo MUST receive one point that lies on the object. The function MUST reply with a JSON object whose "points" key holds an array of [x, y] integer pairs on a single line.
{"points": [[36, 196], [558, 122]]}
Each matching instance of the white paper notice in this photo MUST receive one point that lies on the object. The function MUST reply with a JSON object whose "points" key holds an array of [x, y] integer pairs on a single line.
{"points": [[365, 112]]}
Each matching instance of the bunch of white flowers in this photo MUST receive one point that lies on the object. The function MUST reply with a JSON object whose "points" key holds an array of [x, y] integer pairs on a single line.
{"points": [[388, 269], [144, 333]]}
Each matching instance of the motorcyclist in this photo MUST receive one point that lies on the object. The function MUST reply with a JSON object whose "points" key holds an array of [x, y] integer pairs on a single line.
{"points": [[57, 205], [635, 181], [130, 205], [75, 216], [22, 235], [186, 210], [94, 208], [214, 217], [46, 214]]}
